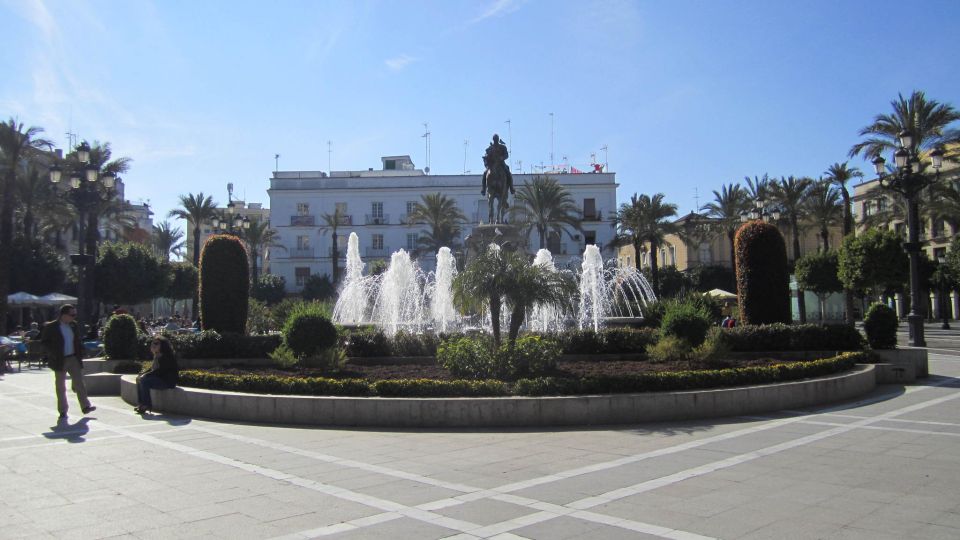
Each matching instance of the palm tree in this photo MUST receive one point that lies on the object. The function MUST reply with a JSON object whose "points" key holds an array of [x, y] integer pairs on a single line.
{"points": [[790, 194], [547, 206], [196, 210], [728, 205], [496, 276], [945, 204], [839, 174], [259, 238], [441, 214], [758, 188], [167, 240], [823, 208], [928, 121], [643, 221], [17, 142], [332, 222]]}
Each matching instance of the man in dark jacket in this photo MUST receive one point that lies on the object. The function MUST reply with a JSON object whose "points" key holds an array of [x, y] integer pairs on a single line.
{"points": [[61, 339]]}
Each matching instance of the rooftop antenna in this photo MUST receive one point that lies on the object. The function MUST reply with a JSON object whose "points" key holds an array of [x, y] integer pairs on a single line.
{"points": [[229, 192], [606, 166], [426, 137], [466, 144], [276, 163], [509, 135], [329, 153], [551, 140], [696, 199], [565, 164]]}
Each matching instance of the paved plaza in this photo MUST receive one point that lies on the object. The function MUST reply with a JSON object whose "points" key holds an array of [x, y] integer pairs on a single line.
{"points": [[884, 467]]}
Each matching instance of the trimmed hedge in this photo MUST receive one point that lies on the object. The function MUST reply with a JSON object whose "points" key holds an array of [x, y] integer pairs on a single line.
{"points": [[689, 380], [120, 338], [880, 325], [224, 284], [542, 386], [783, 337], [210, 344], [309, 332], [687, 322], [763, 278]]}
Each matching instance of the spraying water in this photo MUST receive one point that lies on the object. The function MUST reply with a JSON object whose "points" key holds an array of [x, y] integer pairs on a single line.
{"points": [[544, 318], [445, 318], [354, 297]]}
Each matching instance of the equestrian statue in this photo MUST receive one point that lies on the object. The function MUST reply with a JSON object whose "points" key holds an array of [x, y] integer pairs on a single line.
{"points": [[497, 179]]}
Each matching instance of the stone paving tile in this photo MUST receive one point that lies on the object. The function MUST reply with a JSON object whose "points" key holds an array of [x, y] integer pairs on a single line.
{"points": [[485, 511], [398, 528]]}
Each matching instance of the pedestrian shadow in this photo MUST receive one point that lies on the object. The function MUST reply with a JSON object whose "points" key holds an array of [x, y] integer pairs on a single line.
{"points": [[73, 433], [169, 419]]}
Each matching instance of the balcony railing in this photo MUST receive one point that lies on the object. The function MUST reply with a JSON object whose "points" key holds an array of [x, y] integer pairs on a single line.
{"points": [[302, 253], [594, 216], [303, 221], [377, 220], [378, 252]]}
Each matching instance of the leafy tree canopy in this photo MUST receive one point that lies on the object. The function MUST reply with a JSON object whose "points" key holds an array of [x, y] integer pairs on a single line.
{"points": [[38, 269], [818, 272], [874, 261], [128, 273]]}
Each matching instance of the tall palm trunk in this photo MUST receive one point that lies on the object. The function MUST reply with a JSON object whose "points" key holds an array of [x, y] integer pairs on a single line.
{"points": [[847, 229], [825, 234], [542, 231], [801, 301], [637, 247], [6, 246], [195, 310], [654, 267], [335, 257], [254, 274], [516, 320], [733, 254], [495, 318]]}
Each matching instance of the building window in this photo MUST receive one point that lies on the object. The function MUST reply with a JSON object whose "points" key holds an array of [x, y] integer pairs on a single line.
{"points": [[673, 256], [412, 241], [411, 205], [706, 255], [390, 165], [881, 204], [589, 237], [867, 209], [341, 207], [377, 242], [302, 274], [303, 242], [303, 209], [628, 261], [589, 209], [376, 210]]}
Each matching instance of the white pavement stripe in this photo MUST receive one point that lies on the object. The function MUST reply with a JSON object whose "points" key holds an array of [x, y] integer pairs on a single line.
{"points": [[342, 527], [902, 420], [649, 485], [886, 428], [58, 441]]}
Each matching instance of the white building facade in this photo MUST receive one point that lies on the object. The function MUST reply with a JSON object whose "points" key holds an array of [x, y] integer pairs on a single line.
{"points": [[377, 202]]}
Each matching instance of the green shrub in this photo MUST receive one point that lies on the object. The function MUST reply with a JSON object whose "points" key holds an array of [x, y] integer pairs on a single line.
{"points": [[332, 358], [269, 288], [317, 287], [366, 342], [435, 388], [259, 320], [129, 367], [763, 277], [475, 358], [407, 344], [210, 344], [606, 341], [309, 332], [120, 338], [688, 380], [687, 322], [713, 307], [272, 384], [783, 337], [224, 284], [283, 357], [880, 324], [669, 349], [653, 313]]}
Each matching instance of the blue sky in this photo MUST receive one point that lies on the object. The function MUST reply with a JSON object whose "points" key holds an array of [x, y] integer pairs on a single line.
{"points": [[685, 95]]}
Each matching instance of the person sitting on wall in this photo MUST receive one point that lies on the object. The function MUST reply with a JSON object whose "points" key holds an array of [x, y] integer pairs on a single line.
{"points": [[165, 373]]}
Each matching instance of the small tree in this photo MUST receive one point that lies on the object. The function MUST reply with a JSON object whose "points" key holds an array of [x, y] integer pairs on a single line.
{"points": [[128, 273], [269, 288], [39, 269], [763, 280], [183, 282], [817, 272], [224, 284], [120, 338], [873, 262], [317, 287], [880, 324]]}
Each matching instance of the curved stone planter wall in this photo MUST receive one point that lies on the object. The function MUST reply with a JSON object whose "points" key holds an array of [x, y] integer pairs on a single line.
{"points": [[507, 411]]}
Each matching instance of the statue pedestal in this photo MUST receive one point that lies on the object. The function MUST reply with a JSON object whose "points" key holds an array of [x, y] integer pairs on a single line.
{"points": [[506, 236]]}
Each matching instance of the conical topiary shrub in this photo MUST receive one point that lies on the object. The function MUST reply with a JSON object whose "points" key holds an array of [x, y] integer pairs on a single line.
{"points": [[224, 284], [763, 279]]}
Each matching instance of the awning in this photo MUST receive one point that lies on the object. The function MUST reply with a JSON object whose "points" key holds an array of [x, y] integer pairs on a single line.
{"points": [[24, 299], [721, 294]]}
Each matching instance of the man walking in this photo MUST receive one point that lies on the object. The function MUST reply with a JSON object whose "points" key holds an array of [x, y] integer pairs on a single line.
{"points": [[61, 339]]}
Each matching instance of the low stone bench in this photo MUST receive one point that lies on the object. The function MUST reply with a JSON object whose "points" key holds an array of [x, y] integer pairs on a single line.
{"points": [[895, 373], [102, 384], [917, 358], [508, 411]]}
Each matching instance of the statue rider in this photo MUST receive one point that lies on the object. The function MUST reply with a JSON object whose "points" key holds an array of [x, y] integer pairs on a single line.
{"points": [[496, 155]]}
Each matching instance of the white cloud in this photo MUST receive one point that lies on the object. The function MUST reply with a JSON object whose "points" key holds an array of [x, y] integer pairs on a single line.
{"points": [[499, 8], [399, 62]]}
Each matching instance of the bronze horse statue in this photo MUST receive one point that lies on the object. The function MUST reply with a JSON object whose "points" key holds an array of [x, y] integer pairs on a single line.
{"points": [[497, 182]]}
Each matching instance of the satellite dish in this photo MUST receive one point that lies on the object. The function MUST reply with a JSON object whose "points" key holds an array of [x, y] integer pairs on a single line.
{"points": [[426, 170]]}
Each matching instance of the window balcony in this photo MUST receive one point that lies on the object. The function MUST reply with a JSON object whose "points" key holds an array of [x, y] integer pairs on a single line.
{"points": [[378, 252], [303, 221], [595, 216], [377, 220], [302, 253]]}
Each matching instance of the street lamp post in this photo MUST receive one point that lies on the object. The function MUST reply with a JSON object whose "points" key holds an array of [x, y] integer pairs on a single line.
{"points": [[908, 180], [231, 223], [86, 188]]}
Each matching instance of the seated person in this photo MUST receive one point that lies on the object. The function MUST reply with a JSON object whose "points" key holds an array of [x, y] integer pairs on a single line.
{"points": [[165, 373], [171, 326], [33, 332]]}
